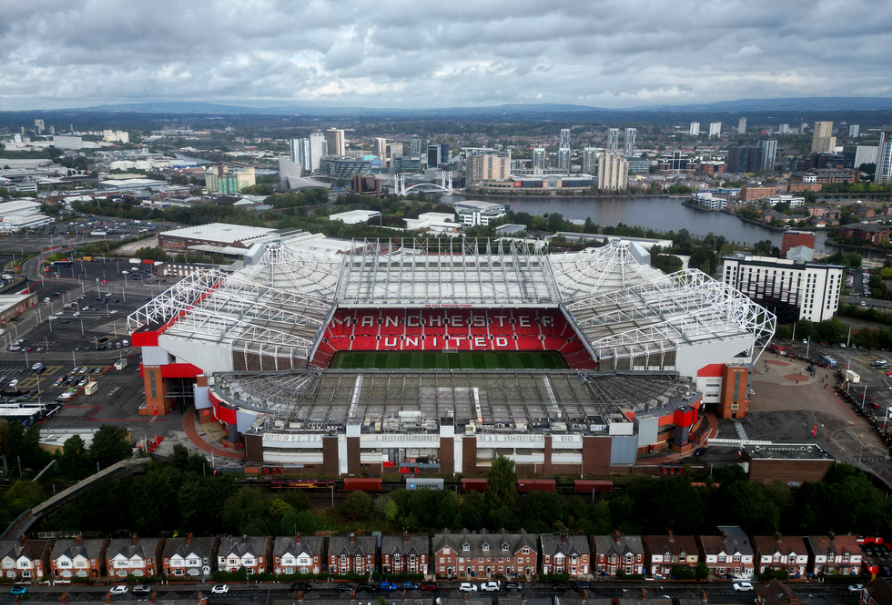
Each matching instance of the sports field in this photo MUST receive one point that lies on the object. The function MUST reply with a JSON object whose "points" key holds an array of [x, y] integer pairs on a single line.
{"points": [[436, 360]]}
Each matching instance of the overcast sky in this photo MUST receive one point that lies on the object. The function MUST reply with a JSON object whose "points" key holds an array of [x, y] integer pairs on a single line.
{"points": [[436, 53]]}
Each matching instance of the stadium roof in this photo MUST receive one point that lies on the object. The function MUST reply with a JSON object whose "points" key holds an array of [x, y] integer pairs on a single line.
{"points": [[221, 233], [383, 401]]}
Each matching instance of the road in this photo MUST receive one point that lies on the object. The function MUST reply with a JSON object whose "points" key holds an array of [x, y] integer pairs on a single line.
{"points": [[716, 592]]}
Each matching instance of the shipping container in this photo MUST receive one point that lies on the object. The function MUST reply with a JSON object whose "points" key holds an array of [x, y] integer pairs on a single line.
{"points": [[587, 486], [424, 483], [368, 485], [473, 485], [536, 485], [135, 261], [148, 261]]}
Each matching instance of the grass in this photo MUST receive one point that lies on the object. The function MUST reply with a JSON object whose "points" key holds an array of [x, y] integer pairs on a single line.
{"points": [[436, 360]]}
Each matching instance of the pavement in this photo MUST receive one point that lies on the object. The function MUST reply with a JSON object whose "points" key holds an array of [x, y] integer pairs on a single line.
{"points": [[199, 437]]}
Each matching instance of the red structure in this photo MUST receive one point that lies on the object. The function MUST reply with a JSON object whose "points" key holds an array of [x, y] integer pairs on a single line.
{"points": [[452, 330], [792, 239]]}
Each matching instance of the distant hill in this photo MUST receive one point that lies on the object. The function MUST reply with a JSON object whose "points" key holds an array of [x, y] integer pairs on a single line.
{"points": [[742, 105]]}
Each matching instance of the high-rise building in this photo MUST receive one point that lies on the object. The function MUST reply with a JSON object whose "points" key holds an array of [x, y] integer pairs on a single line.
{"points": [[613, 172], [630, 141], [743, 159], [741, 126], [488, 167], [864, 154], [381, 149], [803, 128], [715, 129], [695, 129], [564, 159], [769, 154], [318, 149], [884, 158], [395, 149], [822, 140], [334, 140], [565, 137], [444, 153], [433, 156], [539, 158], [783, 129], [854, 131], [38, 127], [612, 139], [590, 160], [415, 147], [402, 163], [301, 154]]}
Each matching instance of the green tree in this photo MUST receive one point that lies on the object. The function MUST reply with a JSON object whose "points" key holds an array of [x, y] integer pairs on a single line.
{"points": [[357, 506], [298, 522], [501, 484], [540, 511], [74, 464], [244, 512], [746, 503], [702, 571], [110, 444]]}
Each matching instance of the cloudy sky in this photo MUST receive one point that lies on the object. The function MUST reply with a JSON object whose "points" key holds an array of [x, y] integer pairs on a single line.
{"points": [[423, 53]]}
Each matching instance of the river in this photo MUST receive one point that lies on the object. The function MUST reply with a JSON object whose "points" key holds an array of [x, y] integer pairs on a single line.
{"points": [[659, 213]]}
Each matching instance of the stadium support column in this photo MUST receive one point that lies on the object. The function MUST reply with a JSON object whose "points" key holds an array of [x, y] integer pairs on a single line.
{"points": [[596, 455], [547, 467], [330, 462], [157, 403], [354, 451], [447, 446]]}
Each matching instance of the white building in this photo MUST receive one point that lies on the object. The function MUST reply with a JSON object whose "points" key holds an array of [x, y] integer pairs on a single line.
{"points": [[612, 139], [22, 215], [854, 131], [539, 158], [865, 154], [741, 126], [590, 157], [715, 129], [613, 172], [694, 129], [792, 290], [355, 217], [630, 141], [438, 222], [795, 202], [709, 201], [884, 158], [472, 213], [318, 149]]}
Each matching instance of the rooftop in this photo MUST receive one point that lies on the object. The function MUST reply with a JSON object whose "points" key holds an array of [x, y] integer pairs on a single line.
{"points": [[789, 451], [222, 233]]}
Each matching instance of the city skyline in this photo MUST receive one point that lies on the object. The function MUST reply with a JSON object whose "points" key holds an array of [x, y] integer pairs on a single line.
{"points": [[382, 55]]}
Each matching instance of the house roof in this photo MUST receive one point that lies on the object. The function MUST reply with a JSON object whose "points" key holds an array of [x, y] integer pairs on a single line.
{"points": [[360, 545], [730, 543], [618, 544], [310, 546], [144, 548], [782, 545], [416, 544], [674, 545], [571, 546], [68, 547], [477, 541], [249, 545], [201, 547], [30, 549], [778, 593], [832, 545], [879, 591]]}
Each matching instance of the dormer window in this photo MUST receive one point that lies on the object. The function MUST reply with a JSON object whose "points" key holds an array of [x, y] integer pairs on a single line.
{"points": [[505, 547], [484, 547], [466, 547]]}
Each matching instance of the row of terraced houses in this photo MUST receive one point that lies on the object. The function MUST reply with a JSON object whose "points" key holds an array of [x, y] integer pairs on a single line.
{"points": [[463, 554]]}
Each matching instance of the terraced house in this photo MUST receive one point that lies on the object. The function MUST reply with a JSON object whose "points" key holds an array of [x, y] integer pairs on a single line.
{"points": [[729, 554], [77, 558], [664, 553], [405, 553], [135, 556], [833, 554], [783, 553], [618, 553], [298, 554], [468, 554], [565, 554], [189, 557], [24, 559], [352, 554], [248, 552]]}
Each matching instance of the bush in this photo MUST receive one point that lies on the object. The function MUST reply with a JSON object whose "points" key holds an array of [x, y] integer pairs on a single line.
{"points": [[293, 577], [555, 577], [405, 577], [622, 575], [683, 572]]}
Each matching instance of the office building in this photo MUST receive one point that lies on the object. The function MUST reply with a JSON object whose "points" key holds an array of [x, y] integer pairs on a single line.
{"points": [[783, 129], [565, 137], [769, 154], [381, 149], [590, 160], [488, 167], [415, 147], [334, 141], [884, 158], [612, 139], [715, 129], [343, 167], [792, 290], [433, 156], [865, 154], [38, 127], [301, 154], [564, 159], [630, 141], [854, 131], [744, 159], [472, 213], [402, 163], [741, 126], [318, 149], [444, 153], [613, 172], [539, 159], [228, 180], [695, 129], [395, 149], [822, 140]]}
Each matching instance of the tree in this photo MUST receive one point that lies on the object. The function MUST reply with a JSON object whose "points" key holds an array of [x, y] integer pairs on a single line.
{"points": [[540, 511], [357, 506], [74, 463], [748, 505], [243, 512], [702, 571], [501, 484], [110, 444]]}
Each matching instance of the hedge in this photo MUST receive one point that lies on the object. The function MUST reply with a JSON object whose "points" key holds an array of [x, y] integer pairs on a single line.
{"points": [[555, 577]]}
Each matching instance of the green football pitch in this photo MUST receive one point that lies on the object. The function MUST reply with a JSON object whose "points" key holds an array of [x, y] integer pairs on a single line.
{"points": [[459, 360]]}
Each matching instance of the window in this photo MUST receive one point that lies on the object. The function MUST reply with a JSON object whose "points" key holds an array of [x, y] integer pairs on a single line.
{"points": [[466, 547]]}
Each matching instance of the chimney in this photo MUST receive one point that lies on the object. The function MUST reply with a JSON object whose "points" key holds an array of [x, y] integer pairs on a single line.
{"points": [[108, 598], [724, 536], [189, 538], [643, 594], [405, 536], [671, 536], [616, 534], [352, 537], [778, 537], [22, 540], [297, 538], [703, 596], [79, 539], [64, 598], [564, 537], [134, 539]]}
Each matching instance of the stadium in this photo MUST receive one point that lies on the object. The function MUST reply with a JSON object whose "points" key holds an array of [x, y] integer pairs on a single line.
{"points": [[439, 355]]}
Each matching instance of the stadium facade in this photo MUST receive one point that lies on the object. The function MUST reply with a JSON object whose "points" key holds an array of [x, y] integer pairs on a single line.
{"points": [[645, 355]]}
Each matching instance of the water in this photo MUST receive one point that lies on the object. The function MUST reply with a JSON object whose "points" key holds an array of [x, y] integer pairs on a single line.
{"points": [[659, 213]]}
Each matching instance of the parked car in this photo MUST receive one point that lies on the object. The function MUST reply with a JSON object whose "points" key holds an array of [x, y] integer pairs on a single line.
{"points": [[410, 585], [743, 585], [220, 589], [855, 587], [429, 586], [513, 586], [18, 589], [304, 586], [581, 585], [367, 588], [388, 586], [344, 587], [491, 586], [118, 590], [467, 587], [142, 589], [561, 587]]}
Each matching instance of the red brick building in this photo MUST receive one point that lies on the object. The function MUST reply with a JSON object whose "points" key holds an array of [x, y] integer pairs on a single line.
{"points": [[77, 558], [617, 553], [663, 553], [791, 239], [565, 554], [483, 555], [405, 553], [352, 554]]}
